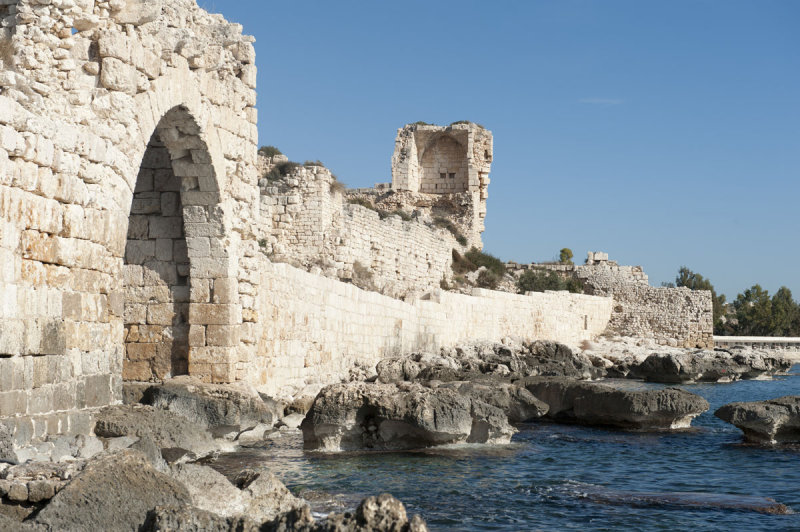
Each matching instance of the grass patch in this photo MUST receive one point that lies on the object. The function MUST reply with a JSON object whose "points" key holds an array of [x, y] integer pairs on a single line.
{"points": [[364, 202], [461, 264], [444, 223], [402, 214], [490, 262], [337, 186]]}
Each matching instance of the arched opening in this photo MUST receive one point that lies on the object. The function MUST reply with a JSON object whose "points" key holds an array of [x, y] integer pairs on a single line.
{"points": [[173, 226], [444, 166]]}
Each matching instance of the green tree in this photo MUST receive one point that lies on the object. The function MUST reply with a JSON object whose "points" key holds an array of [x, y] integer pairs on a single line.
{"points": [[785, 313], [754, 312], [695, 281], [565, 256]]}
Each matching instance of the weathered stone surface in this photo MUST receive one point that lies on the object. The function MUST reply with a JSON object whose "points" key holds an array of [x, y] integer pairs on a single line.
{"points": [[164, 428], [399, 416], [517, 402], [265, 497], [191, 519], [138, 12], [209, 490], [115, 492], [380, 513], [708, 366], [7, 453], [377, 513], [213, 405], [773, 421], [596, 404]]}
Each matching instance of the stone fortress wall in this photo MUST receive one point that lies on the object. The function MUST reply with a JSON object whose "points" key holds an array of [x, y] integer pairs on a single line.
{"points": [[679, 317], [336, 326]]}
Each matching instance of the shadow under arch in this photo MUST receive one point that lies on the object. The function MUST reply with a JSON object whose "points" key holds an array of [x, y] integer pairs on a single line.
{"points": [[174, 224]]}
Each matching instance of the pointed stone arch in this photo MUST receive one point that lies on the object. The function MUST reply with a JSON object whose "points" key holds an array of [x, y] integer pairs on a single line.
{"points": [[182, 314]]}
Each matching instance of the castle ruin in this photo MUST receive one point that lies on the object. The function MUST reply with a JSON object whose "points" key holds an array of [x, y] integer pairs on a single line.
{"points": [[140, 240]]}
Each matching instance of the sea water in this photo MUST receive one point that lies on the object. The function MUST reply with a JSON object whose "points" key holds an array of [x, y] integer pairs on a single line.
{"points": [[565, 477]]}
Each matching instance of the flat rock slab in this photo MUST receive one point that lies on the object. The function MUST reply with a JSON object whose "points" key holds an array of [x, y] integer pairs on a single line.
{"points": [[213, 405], [165, 429], [399, 416], [596, 404], [774, 421]]}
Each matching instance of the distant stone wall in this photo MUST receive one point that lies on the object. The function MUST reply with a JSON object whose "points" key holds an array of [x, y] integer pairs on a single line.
{"points": [[317, 329], [672, 316], [309, 223]]}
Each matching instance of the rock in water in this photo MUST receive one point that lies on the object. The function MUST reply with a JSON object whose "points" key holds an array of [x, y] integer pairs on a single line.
{"points": [[399, 416], [774, 421], [708, 366], [114, 492], [595, 404]]}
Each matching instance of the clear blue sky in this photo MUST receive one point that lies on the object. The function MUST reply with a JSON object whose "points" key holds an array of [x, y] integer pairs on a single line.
{"points": [[665, 133]]}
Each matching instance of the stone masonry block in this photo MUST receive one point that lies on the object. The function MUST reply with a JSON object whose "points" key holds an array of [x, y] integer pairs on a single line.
{"points": [[223, 335], [215, 314]]}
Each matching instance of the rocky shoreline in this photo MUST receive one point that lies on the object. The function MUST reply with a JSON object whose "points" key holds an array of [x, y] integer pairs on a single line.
{"points": [[144, 466]]}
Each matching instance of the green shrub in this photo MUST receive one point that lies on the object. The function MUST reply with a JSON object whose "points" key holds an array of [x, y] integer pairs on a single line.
{"points": [[487, 279], [565, 256], [314, 163], [542, 280], [421, 123], [281, 170], [490, 262], [269, 151]]}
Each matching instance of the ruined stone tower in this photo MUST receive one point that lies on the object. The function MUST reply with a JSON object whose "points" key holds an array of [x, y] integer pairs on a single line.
{"points": [[446, 160]]}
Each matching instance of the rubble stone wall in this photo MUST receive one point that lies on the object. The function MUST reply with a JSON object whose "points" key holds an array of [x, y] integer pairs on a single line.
{"points": [[311, 224], [316, 329]]}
